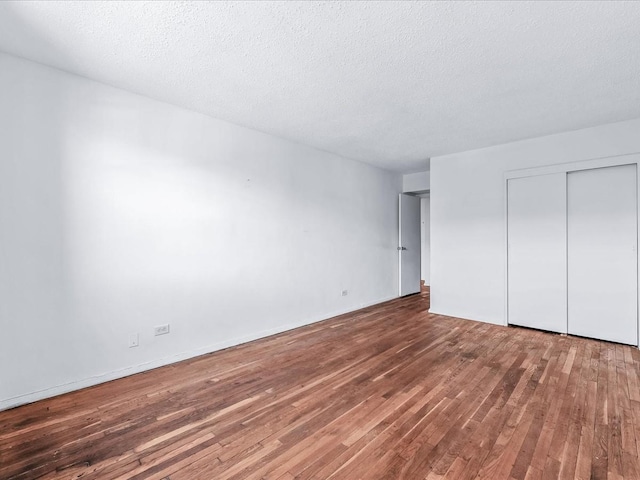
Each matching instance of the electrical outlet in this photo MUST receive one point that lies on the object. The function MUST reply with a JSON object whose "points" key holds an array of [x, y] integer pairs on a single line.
{"points": [[161, 329], [345, 293], [134, 340]]}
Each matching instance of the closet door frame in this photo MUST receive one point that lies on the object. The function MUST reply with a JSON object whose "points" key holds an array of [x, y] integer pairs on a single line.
{"points": [[630, 159]]}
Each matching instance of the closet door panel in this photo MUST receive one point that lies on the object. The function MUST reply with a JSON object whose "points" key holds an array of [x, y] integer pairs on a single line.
{"points": [[602, 253], [536, 252]]}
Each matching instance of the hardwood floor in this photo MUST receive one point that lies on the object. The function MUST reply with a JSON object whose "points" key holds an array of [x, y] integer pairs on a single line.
{"points": [[387, 392]]}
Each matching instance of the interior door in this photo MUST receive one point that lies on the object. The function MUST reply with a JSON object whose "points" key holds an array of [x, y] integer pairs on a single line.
{"points": [[409, 244], [537, 252], [602, 253]]}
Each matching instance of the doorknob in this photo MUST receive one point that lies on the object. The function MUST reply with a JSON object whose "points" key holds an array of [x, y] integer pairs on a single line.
{"points": [[402, 248]]}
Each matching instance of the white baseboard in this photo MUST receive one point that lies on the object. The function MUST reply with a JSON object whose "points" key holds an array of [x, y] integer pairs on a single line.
{"points": [[53, 391]]}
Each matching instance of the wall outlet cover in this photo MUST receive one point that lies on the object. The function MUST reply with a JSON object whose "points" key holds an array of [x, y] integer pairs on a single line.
{"points": [[161, 329], [134, 340]]}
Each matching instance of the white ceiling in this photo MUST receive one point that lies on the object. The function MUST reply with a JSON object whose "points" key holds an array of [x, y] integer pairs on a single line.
{"points": [[387, 83]]}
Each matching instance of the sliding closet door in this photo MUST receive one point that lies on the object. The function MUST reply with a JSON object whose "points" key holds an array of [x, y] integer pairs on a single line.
{"points": [[536, 251], [602, 253]]}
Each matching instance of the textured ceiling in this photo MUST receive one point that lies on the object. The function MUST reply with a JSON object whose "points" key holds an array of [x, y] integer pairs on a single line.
{"points": [[387, 83]]}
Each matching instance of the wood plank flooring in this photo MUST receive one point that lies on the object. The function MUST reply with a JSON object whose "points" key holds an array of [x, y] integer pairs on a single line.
{"points": [[388, 392]]}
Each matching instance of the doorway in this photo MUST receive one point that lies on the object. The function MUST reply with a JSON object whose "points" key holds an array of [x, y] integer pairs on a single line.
{"points": [[414, 243]]}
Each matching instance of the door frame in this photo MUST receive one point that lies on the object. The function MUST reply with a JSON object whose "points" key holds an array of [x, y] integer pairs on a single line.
{"points": [[618, 160]]}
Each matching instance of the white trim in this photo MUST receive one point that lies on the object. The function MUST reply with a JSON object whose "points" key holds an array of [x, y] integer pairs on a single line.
{"points": [[574, 166], [49, 392], [400, 244], [618, 160], [506, 249]]}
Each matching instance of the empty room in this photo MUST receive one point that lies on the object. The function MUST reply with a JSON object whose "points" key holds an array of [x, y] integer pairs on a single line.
{"points": [[319, 240]]}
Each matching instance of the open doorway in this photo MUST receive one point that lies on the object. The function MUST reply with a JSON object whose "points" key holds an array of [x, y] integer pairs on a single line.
{"points": [[414, 245], [409, 249], [418, 187]]}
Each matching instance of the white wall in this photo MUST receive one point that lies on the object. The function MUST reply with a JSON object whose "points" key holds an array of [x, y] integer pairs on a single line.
{"points": [[118, 213], [425, 239], [416, 182], [468, 208]]}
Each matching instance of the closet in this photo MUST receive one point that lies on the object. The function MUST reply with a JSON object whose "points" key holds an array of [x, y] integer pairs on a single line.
{"points": [[572, 264]]}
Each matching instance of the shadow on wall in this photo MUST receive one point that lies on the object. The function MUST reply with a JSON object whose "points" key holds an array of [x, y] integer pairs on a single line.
{"points": [[34, 274]]}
